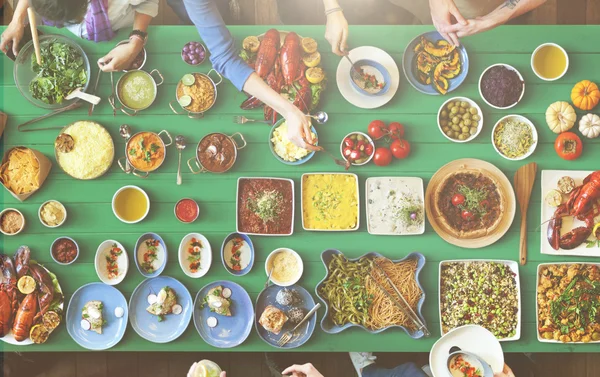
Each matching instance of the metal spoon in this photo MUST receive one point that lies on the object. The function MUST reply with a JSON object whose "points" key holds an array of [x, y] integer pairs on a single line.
{"points": [[180, 144], [321, 117], [269, 277], [125, 132]]}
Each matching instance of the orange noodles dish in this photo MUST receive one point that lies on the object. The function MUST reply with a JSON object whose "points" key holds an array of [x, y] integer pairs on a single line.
{"points": [[354, 296], [146, 151]]}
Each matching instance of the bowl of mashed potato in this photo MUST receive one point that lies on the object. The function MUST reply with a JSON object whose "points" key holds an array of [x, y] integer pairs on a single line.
{"points": [[286, 151]]}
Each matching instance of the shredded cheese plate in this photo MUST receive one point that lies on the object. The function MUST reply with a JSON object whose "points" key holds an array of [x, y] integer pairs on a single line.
{"points": [[92, 153]]}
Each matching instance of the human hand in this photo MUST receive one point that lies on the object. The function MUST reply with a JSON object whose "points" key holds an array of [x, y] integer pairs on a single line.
{"points": [[442, 12], [336, 33], [299, 132], [307, 370], [474, 26], [11, 37], [121, 57], [506, 372], [192, 372]]}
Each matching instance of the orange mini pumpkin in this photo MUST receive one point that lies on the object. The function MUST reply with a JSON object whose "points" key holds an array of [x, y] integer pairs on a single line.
{"points": [[585, 95]]}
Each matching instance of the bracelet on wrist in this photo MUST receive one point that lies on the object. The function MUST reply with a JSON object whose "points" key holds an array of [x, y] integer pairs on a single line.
{"points": [[139, 38], [333, 10]]}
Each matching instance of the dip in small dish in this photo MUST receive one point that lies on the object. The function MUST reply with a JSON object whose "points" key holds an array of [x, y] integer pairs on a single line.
{"points": [[130, 204], [64, 250], [287, 267], [237, 254], [265, 206], [372, 79], [12, 222]]}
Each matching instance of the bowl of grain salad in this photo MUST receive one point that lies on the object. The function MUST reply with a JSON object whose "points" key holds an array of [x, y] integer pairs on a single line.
{"points": [[196, 93], [514, 137]]}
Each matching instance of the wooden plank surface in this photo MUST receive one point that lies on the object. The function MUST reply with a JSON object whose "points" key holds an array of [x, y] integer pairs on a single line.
{"points": [[91, 220]]}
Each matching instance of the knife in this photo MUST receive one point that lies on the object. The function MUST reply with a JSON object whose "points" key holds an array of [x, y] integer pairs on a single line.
{"points": [[91, 110]]}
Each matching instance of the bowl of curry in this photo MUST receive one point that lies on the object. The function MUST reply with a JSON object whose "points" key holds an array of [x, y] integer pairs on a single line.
{"points": [[136, 90], [196, 93], [145, 152], [216, 153], [265, 206]]}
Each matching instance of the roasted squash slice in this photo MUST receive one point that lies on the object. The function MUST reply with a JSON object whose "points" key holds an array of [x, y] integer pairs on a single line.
{"points": [[454, 59], [423, 63], [451, 72], [422, 77], [442, 43], [418, 47], [439, 52], [441, 84]]}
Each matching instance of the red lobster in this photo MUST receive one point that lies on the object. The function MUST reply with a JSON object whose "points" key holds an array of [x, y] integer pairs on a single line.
{"points": [[22, 261], [25, 317], [8, 295], [267, 53], [581, 206], [45, 288]]}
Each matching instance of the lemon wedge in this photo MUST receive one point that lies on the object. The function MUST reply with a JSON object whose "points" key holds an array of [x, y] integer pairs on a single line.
{"points": [[26, 285], [309, 45], [251, 43], [315, 75], [312, 60]]}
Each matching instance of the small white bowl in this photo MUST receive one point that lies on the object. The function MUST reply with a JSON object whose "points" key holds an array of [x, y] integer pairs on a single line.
{"points": [[473, 104], [52, 248], [100, 263], [366, 137], [539, 48], [40, 214], [115, 197], [511, 68], [205, 255], [300, 264], [17, 211], [533, 132]]}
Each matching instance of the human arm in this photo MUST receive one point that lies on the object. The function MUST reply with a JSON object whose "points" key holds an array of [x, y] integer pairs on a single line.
{"points": [[12, 35], [444, 13], [499, 16], [122, 56], [307, 370], [336, 31], [225, 60], [506, 372]]}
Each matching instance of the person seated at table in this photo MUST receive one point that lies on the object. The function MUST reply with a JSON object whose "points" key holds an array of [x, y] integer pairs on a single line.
{"points": [[95, 20], [225, 59], [454, 19]]}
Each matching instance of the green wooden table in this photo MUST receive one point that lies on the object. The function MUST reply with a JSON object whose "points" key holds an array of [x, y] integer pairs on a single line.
{"points": [[91, 221]]}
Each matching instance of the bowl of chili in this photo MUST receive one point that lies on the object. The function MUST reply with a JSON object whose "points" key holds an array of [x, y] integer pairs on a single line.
{"points": [[187, 210], [64, 250]]}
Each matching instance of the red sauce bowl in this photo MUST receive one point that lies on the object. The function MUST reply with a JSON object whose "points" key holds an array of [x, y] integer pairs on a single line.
{"points": [[187, 210], [64, 250]]}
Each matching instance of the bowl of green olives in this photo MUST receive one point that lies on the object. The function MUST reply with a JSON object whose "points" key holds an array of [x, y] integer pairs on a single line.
{"points": [[460, 119]]}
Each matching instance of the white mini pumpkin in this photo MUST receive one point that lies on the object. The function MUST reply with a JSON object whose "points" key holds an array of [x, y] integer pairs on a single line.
{"points": [[560, 117], [589, 125]]}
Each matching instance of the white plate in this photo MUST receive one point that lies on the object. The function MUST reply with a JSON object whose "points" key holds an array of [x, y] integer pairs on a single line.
{"points": [[549, 181], [357, 203], [205, 255], [514, 268], [237, 197], [100, 263], [413, 185], [469, 338], [345, 86], [537, 318]]}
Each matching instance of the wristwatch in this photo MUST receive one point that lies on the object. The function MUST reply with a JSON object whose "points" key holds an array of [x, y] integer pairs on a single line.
{"points": [[139, 34]]}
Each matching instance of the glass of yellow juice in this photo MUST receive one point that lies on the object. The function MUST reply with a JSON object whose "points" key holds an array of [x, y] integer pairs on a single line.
{"points": [[130, 204], [549, 61]]}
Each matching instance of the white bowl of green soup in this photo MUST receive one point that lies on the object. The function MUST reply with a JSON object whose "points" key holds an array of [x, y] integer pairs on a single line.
{"points": [[137, 89]]}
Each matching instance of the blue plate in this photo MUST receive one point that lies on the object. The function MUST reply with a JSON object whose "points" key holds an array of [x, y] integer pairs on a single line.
{"points": [[230, 331], [297, 162], [306, 302], [384, 73], [143, 238], [147, 325], [409, 65], [112, 332], [331, 328], [249, 242]]}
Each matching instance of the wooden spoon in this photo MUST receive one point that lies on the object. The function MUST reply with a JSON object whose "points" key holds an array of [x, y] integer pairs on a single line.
{"points": [[524, 179], [34, 35]]}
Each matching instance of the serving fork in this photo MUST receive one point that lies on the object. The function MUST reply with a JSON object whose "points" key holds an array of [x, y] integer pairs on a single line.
{"points": [[285, 338], [240, 119]]}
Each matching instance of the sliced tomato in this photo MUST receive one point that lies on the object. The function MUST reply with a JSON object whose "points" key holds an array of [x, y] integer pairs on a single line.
{"points": [[467, 215], [369, 149], [396, 130], [400, 148], [377, 129], [458, 199], [383, 156], [568, 146]]}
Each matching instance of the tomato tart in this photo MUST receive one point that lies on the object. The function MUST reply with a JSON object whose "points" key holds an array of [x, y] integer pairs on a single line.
{"points": [[469, 203]]}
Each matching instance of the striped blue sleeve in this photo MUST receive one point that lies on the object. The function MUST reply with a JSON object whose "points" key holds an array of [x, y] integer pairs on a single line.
{"points": [[223, 53]]}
